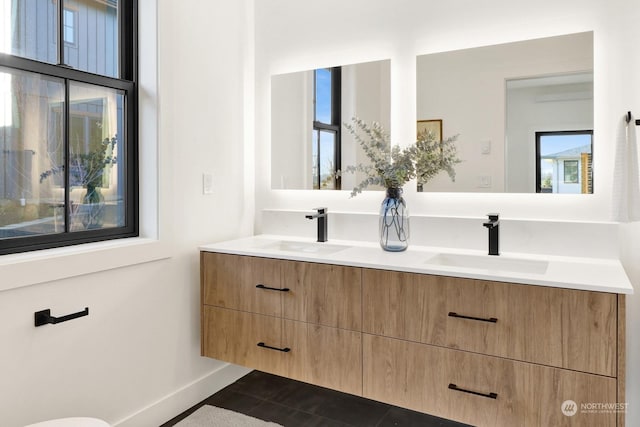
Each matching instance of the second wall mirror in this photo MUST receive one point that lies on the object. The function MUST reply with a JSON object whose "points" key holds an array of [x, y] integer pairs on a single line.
{"points": [[523, 112]]}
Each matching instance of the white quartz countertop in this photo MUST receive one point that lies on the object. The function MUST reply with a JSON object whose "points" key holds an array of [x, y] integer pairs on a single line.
{"points": [[589, 274]]}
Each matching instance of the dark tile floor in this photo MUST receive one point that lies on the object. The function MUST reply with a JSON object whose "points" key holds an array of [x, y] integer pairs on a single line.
{"points": [[296, 404]]}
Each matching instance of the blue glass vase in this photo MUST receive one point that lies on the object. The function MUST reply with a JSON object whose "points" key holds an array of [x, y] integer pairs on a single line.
{"points": [[394, 222]]}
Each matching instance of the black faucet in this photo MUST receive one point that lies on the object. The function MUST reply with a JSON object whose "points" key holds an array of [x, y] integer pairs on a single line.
{"points": [[323, 217], [494, 233]]}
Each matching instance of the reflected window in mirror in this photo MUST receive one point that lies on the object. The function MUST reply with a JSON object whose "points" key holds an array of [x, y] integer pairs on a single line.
{"points": [[564, 162], [325, 149], [309, 109]]}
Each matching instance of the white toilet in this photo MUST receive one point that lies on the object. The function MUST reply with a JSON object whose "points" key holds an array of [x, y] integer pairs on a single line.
{"points": [[71, 422]]}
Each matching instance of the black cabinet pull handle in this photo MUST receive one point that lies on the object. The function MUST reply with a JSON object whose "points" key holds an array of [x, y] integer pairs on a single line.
{"points": [[284, 350], [460, 316], [268, 288], [44, 317], [477, 393]]}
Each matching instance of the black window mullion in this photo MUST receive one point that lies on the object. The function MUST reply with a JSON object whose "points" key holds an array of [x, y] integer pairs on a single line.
{"points": [[67, 152], [122, 58], [52, 70], [128, 27], [61, 60], [336, 119], [131, 176]]}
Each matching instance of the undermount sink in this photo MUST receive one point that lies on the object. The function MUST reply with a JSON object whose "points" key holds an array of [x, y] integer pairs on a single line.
{"points": [[493, 263], [305, 247]]}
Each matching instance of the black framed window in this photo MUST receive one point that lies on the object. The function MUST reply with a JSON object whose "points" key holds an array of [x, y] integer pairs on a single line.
{"points": [[564, 162], [68, 123], [326, 158]]}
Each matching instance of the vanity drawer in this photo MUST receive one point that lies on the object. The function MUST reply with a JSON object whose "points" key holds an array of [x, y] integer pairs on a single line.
{"points": [[233, 336], [328, 357], [480, 390], [230, 281], [323, 294], [551, 326]]}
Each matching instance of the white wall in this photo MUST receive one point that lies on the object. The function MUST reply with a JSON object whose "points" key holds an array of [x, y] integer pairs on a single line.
{"points": [[135, 360], [366, 96], [291, 127], [364, 30]]}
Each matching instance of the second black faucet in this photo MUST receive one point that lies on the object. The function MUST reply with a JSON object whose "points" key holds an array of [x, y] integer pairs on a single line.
{"points": [[494, 233], [323, 220]]}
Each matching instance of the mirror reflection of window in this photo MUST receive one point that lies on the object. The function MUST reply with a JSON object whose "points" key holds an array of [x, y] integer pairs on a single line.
{"points": [[564, 162], [309, 111], [325, 150]]}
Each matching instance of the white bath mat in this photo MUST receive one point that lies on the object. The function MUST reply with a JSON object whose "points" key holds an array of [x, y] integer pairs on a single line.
{"points": [[212, 416]]}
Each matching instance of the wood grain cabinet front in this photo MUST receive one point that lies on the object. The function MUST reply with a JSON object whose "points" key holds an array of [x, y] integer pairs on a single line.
{"points": [[325, 356], [323, 294], [295, 319], [483, 390], [552, 326], [242, 283], [233, 336], [479, 352]]}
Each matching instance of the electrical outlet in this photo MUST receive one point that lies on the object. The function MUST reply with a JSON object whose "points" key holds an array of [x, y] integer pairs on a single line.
{"points": [[207, 183]]}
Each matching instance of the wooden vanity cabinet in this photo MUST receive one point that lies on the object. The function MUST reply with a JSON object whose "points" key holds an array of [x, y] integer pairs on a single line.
{"points": [[514, 352], [551, 326], [480, 352], [294, 319]]}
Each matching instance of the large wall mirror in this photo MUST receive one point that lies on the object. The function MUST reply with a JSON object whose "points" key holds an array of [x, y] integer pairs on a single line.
{"points": [[309, 142], [523, 113]]}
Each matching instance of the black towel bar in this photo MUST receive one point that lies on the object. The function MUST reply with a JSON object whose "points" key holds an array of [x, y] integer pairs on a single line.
{"points": [[629, 118], [44, 317]]}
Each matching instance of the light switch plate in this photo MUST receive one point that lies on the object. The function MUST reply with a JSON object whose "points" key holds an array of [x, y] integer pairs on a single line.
{"points": [[207, 183], [484, 181], [485, 146]]}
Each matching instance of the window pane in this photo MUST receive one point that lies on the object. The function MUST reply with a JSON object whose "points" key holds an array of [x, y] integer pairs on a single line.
{"points": [[323, 95], [96, 157], [29, 29], [95, 46], [31, 151], [327, 159], [314, 160]]}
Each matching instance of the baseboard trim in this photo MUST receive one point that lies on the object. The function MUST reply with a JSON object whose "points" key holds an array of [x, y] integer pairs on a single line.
{"points": [[182, 399]]}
